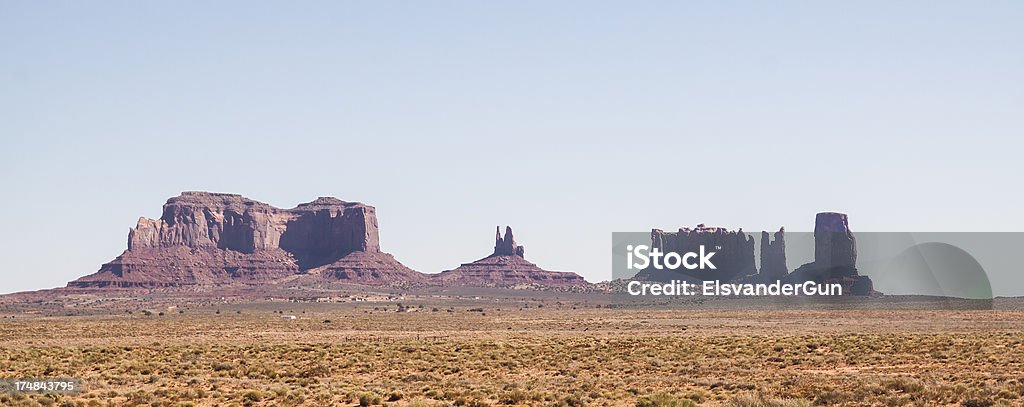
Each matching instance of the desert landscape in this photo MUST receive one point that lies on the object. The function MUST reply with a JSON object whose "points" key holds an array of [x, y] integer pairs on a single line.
{"points": [[226, 301], [511, 348], [511, 203]]}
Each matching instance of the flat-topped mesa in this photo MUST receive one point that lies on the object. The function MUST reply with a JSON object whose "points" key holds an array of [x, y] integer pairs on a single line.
{"points": [[506, 246], [506, 267], [322, 231], [733, 258], [204, 238], [202, 220], [835, 256]]}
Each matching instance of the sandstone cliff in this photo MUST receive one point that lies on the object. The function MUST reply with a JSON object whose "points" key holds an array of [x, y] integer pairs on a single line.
{"points": [[835, 259], [773, 255], [206, 238], [734, 253], [835, 248], [835, 256]]}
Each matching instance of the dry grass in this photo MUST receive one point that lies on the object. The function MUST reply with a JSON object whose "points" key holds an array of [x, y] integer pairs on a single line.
{"points": [[510, 355]]}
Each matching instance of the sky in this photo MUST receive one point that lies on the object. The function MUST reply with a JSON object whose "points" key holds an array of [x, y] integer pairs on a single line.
{"points": [[566, 120]]}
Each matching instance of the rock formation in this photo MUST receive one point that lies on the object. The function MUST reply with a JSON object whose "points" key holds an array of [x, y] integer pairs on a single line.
{"points": [[835, 256], [506, 267], [506, 246], [773, 255], [734, 253], [835, 248], [218, 239]]}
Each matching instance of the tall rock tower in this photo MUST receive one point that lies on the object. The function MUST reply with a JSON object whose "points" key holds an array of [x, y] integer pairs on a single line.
{"points": [[773, 255], [835, 248]]}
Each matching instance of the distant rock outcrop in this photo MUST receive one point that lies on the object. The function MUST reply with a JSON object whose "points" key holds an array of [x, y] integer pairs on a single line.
{"points": [[506, 246], [207, 238], [835, 248], [773, 255], [734, 253], [506, 267], [835, 256]]}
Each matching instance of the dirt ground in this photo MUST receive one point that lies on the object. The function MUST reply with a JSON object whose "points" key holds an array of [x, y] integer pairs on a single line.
{"points": [[515, 351]]}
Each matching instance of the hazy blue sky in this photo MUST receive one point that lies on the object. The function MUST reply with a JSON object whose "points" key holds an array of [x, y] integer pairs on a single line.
{"points": [[567, 120]]}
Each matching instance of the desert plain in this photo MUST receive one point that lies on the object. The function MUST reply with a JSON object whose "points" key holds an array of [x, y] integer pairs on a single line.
{"points": [[511, 348]]}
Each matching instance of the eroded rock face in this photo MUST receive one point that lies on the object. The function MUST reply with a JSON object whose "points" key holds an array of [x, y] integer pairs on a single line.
{"points": [[773, 255], [207, 238], [835, 248], [506, 267], [327, 229], [835, 256], [734, 253], [506, 246]]}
